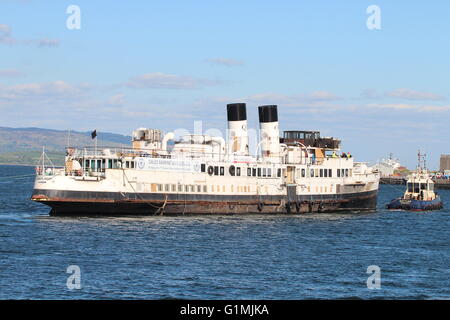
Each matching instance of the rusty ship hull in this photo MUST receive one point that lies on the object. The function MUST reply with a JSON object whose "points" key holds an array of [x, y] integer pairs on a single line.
{"points": [[109, 203]]}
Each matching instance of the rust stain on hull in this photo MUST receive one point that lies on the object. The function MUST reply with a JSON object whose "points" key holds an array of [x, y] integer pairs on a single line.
{"points": [[74, 206]]}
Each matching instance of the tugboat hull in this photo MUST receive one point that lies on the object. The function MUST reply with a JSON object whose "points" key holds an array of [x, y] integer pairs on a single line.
{"points": [[415, 205]]}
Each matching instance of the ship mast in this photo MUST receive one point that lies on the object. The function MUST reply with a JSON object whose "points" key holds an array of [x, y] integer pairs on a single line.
{"points": [[421, 161], [43, 159]]}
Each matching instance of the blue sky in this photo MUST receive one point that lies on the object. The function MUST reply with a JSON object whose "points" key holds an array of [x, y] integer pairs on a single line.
{"points": [[166, 64]]}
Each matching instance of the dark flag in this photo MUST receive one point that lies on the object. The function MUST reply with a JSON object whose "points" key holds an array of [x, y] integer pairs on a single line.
{"points": [[94, 134]]}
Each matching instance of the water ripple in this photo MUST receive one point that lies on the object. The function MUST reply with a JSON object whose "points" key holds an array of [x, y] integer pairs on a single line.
{"points": [[318, 256]]}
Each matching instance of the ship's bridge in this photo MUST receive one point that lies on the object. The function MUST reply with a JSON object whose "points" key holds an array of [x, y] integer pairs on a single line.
{"points": [[310, 139]]}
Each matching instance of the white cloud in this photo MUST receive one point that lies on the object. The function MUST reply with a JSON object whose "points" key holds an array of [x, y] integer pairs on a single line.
{"points": [[50, 88], [7, 38], [322, 96], [226, 62], [409, 94], [34, 93], [391, 106], [48, 43], [370, 94], [117, 100], [314, 102], [293, 100], [5, 35], [10, 73], [158, 80], [411, 107]]}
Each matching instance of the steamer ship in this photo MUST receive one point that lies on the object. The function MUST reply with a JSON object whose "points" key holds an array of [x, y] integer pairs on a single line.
{"points": [[299, 172]]}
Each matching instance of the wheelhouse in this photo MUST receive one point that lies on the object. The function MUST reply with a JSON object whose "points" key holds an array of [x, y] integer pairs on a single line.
{"points": [[416, 187], [310, 139]]}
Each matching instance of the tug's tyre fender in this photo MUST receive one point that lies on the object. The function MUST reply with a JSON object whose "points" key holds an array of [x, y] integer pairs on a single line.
{"points": [[260, 206], [288, 208], [210, 170]]}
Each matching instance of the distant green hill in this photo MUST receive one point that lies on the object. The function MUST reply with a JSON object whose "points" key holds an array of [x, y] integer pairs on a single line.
{"points": [[30, 157], [24, 145]]}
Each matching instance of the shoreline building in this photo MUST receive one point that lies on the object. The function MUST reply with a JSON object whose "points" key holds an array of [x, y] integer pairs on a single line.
{"points": [[444, 163]]}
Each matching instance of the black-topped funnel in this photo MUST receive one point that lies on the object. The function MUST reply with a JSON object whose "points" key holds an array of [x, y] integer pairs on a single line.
{"points": [[236, 112], [268, 113], [269, 133], [237, 129]]}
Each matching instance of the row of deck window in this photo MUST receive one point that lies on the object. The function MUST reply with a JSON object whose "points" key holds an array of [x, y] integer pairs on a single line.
{"points": [[273, 172], [200, 188], [327, 173], [195, 188], [417, 187], [102, 164], [236, 171], [263, 172]]}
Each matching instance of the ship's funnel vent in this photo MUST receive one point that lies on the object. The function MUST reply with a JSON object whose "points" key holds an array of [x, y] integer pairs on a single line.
{"points": [[236, 112], [237, 129], [269, 134], [268, 113]]}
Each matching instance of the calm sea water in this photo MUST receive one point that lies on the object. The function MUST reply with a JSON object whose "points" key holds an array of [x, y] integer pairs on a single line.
{"points": [[220, 257]]}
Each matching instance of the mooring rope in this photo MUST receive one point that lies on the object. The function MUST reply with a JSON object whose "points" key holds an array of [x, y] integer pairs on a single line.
{"points": [[145, 201], [392, 186]]}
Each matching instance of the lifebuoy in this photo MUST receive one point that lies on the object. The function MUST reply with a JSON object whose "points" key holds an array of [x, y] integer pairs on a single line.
{"points": [[210, 170], [232, 170]]}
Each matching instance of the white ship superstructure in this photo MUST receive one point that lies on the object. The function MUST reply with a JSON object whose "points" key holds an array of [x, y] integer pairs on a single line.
{"points": [[200, 174], [387, 167]]}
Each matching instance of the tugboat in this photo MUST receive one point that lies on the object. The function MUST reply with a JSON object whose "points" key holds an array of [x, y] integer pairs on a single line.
{"points": [[419, 194]]}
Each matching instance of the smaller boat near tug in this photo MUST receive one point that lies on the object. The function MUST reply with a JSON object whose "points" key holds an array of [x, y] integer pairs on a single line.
{"points": [[419, 194]]}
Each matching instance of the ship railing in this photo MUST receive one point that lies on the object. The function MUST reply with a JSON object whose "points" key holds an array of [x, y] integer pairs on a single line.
{"points": [[115, 152], [86, 172], [320, 161], [45, 166], [103, 152], [50, 171], [326, 160]]}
